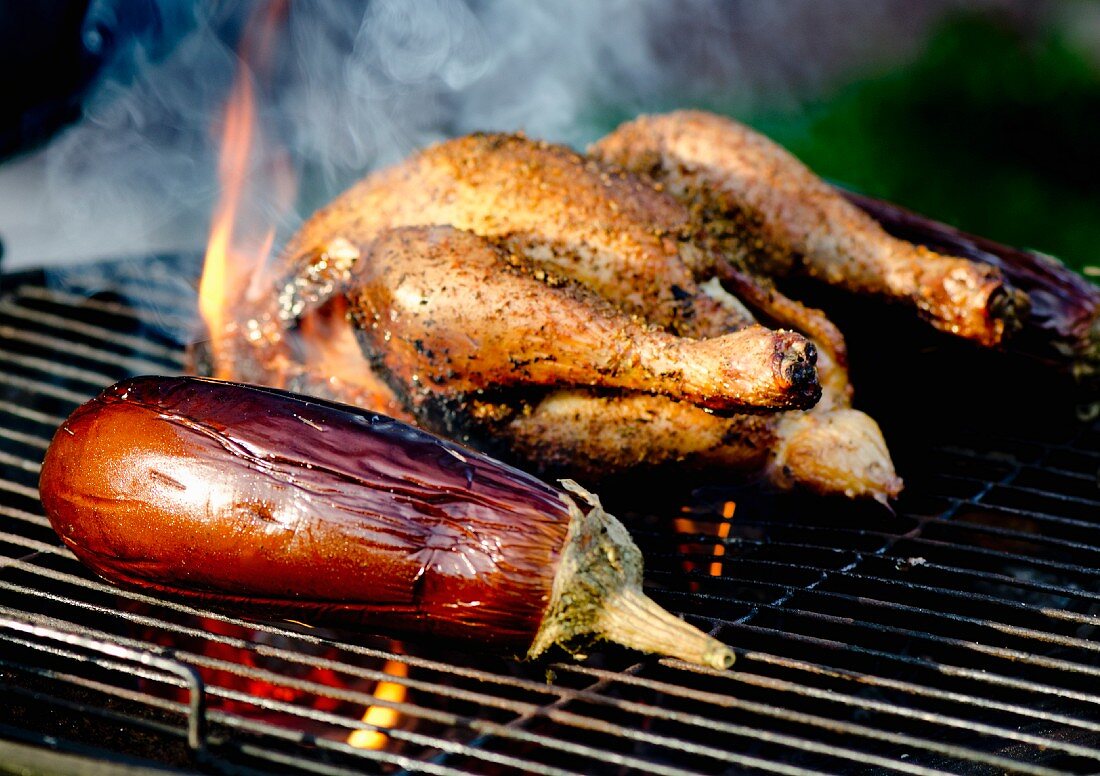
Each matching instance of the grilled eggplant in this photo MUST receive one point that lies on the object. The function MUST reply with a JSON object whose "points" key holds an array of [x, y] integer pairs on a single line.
{"points": [[259, 501]]}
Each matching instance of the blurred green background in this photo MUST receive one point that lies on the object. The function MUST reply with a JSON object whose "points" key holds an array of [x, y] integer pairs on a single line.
{"points": [[982, 113], [990, 125], [987, 130]]}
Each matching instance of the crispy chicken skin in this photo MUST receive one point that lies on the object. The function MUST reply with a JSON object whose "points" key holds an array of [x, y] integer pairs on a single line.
{"points": [[444, 311], [838, 451], [764, 209], [560, 316], [607, 230], [831, 452]]}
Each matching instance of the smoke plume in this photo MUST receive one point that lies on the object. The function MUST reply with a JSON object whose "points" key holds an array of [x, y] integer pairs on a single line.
{"points": [[353, 86]]}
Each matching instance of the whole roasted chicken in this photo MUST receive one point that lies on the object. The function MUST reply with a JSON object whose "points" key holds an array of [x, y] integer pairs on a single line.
{"points": [[602, 312]]}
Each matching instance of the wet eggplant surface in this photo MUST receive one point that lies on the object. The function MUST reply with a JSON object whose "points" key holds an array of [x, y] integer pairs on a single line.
{"points": [[257, 499]]}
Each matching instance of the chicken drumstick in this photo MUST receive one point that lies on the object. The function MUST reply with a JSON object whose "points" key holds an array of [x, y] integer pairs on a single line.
{"points": [[446, 313], [763, 207]]}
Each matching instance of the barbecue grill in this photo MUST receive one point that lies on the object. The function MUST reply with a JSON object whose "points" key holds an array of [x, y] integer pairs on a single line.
{"points": [[954, 635]]}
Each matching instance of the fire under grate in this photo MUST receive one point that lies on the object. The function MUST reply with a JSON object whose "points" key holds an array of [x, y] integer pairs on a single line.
{"points": [[956, 635]]}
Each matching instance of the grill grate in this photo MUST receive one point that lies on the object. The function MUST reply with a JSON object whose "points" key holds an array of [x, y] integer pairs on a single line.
{"points": [[957, 635]]}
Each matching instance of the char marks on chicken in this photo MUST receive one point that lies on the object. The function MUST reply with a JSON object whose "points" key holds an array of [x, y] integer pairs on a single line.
{"points": [[444, 312]]}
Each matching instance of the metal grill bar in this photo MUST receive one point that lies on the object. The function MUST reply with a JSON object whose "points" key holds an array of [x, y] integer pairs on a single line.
{"points": [[158, 309], [863, 679], [284, 760], [19, 490], [1005, 628], [291, 656], [82, 582], [37, 387], [60, 370], [19, 514], [136, 365], [20, 463], [961, 753], [946, 669], [1009, 655], [366, 699], [267, 650], [189, 677], [192, 658], [108, 716], [733, 560], [818, 606], [51, 421], [66, 325], [967, 576], [888, 540], [528, 709], [1080, 643]]}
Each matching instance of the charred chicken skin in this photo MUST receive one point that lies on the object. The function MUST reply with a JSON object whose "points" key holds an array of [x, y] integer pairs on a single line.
{"points": [[530, 300], [609, 230]]}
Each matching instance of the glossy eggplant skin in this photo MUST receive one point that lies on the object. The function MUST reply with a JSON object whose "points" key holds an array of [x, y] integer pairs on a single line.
{"points": [[261, 502]]}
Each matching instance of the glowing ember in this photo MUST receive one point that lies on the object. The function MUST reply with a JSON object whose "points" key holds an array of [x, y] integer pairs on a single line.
{"points": [[728, 508], [251, 676], [382, 716], [706, 528]]}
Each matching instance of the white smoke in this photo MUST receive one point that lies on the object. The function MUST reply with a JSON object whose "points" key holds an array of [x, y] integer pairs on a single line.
{"points": [[357, 85]]}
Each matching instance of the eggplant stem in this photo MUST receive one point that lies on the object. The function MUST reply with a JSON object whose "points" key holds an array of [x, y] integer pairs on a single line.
{"points": [[633, 619], [598, 593]]}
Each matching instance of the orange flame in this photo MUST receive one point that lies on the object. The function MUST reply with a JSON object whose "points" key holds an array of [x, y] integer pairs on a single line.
{"points": [[334, 362], [238, 246], [221, 260], [382, 716]]}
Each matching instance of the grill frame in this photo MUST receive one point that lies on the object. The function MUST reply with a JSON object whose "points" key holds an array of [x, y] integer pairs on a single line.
{"points": [[958, 693]]}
